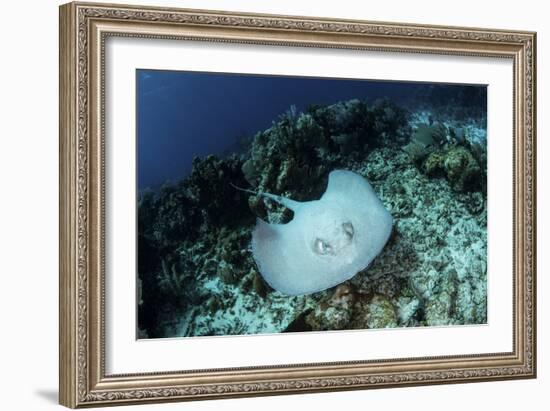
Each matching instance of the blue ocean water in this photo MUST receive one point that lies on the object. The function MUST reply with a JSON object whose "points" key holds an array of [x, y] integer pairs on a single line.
{"points": [[181, 115]]}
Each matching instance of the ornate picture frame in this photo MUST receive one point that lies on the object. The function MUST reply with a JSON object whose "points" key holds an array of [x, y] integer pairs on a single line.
{"points": [[84, 30]]}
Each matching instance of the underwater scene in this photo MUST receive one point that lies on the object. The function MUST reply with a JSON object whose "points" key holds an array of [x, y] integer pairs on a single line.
{"points": [[272, 204]]}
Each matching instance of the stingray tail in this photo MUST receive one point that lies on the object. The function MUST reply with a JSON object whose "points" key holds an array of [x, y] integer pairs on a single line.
{"points": [[287, 202], [243, 189]]}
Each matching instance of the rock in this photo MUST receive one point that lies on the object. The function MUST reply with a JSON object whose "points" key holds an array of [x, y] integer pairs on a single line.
{"points": [[378, 312], [462, 170], [259, 285], [407, 308], [416, 151], [457, 165], [335, 317]]}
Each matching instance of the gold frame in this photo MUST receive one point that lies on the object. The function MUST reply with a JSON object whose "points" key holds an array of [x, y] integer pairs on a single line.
{"points": [[84, 28]]}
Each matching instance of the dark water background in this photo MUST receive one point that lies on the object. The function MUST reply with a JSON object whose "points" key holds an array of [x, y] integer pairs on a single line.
{"points": [[181, 115]]}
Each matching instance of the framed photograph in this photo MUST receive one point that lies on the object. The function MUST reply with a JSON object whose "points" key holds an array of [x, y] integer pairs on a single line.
{"points": [[260, 204]]}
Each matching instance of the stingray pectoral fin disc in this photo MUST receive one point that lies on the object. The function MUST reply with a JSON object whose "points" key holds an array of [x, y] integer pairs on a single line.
{"points": [[327, 242], [349, 188], [373, 222], [270, 249], [285, 261]]}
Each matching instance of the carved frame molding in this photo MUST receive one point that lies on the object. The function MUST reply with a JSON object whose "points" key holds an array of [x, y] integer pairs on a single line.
{"points": [[84, 28]]}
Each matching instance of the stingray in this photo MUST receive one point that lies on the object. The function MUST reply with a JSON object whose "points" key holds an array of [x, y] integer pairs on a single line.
{"points": [[328, 240]]}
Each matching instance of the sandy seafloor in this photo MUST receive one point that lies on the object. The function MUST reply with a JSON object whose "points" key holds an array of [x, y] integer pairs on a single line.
{"points": [[432, 271]]}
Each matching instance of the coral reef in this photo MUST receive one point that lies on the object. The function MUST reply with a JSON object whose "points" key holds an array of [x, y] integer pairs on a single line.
{"points": [[196, 271], [305, 147], [441, 150], [459, 166]]}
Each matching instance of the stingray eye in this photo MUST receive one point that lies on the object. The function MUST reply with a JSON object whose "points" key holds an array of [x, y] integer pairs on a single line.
{"points": [[348, 229], [322, 247]]}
